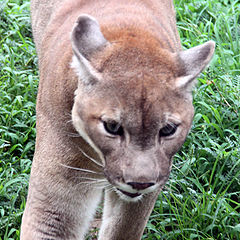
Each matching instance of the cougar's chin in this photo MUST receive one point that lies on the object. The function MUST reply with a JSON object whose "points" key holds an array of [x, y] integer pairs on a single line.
{"points": [[128, 196], [132, 195]]}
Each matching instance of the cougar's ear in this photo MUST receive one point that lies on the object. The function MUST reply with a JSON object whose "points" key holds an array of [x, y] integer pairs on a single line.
{"points": [[86, 38], [192, 62]]}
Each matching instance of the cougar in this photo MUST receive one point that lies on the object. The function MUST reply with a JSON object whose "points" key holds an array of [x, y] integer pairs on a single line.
{"points": [[114, 105]]}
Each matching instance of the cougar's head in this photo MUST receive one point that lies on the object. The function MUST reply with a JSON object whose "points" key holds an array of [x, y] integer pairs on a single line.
{"points": [[133, 104]]}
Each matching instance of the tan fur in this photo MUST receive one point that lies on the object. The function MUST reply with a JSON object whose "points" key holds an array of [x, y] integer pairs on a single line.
{"points": [[130, 70]]}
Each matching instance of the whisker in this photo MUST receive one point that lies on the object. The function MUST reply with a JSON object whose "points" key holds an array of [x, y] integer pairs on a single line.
{"points": [[95, 183], [86, 183], [89, 178], [100, 185], [90, 158], [92, 180], [70, 120], [109, 184], [81, 169], [109, 188], [74, 135]]}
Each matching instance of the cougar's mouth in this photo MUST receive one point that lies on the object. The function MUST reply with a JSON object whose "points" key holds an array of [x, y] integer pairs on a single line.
{"points": [[131, 195]]}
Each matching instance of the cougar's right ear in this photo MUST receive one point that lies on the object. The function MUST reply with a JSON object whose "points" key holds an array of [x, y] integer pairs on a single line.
{"points": [[86, 38]]}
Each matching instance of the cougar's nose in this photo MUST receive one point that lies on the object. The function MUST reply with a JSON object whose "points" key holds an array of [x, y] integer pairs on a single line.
{"points": [[140, 186]]}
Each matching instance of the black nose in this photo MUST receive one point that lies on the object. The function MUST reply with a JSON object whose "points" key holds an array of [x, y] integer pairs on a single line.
{"points": [[140, 186]]}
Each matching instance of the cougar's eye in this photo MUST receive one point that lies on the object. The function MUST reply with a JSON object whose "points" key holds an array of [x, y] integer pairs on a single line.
{"points": [[168, 130], [113, 128]]}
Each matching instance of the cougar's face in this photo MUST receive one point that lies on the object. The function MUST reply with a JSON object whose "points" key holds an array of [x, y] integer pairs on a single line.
{"points": [[133, 103], [137, 124]]}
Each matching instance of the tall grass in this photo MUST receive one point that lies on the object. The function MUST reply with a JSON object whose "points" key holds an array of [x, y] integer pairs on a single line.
{"points": [[202, 197], [18, 87]]}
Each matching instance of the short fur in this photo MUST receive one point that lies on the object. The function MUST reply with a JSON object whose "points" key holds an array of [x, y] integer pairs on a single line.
{"points": [[103, 63]]}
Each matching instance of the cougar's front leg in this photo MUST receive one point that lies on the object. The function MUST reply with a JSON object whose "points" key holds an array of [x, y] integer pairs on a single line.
{"points": [[61, 200], [124, 220], [59, 218]]}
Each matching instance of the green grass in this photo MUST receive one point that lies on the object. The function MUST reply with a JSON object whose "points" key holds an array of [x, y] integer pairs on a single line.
{"points": [[202, 197], [18, 88]]}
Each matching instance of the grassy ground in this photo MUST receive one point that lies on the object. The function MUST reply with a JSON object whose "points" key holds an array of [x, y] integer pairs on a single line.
{"points": [[202, 197]]}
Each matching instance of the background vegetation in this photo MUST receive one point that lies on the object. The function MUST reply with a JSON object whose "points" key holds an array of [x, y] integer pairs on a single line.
{"points": [[202, 198]]}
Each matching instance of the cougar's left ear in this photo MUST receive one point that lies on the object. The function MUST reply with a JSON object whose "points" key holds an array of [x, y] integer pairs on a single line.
{"points": [[192, 62], [86, 38]]}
